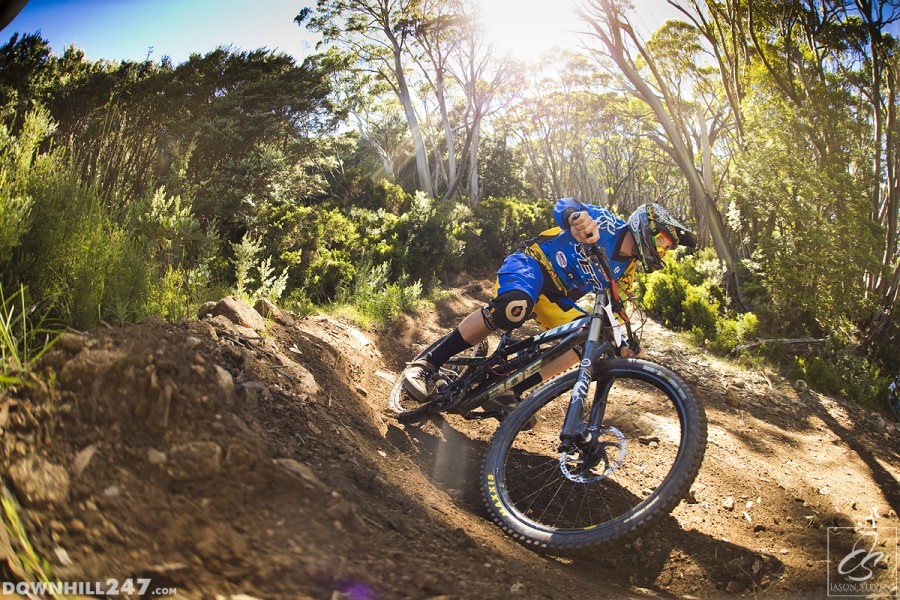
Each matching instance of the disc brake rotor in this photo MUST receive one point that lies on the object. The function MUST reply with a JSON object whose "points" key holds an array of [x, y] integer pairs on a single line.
{"points": [[595, 464]]}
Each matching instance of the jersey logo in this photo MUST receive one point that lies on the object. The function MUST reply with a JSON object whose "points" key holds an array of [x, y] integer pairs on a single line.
{"points": [[561, 259], [587, 268], [606, 222]]}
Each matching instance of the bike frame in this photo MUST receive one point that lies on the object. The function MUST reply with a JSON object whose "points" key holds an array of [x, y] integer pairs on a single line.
{"points": [[575, 430]]}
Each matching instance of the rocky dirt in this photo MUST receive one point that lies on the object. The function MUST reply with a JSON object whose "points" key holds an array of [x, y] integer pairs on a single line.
{"points": [[226, 460]]}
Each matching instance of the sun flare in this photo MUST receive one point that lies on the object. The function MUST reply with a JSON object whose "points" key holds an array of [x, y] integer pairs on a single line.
{"points": [[528, 28]]}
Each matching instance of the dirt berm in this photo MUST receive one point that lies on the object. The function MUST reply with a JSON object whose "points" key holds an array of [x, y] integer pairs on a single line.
{"points": [[231, 461]]}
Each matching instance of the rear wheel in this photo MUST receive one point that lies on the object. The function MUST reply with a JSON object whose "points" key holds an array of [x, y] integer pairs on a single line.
{"points": [[410, 410], [639, 465]]}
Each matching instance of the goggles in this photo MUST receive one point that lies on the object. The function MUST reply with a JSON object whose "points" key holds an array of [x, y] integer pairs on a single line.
{"points": [[662, 242]]}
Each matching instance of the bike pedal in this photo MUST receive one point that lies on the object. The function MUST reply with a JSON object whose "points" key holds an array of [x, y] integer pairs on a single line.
{"points": [[483, 414]]}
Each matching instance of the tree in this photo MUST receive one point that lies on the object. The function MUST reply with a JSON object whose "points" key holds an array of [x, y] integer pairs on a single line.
{"points": [[377, 35], [612, 28]]}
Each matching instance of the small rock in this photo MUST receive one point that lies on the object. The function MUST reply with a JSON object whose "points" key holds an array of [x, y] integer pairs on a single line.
{"points": [[732, 398], [62, 556], [239, 313], [729, 503], [266, 308], [735, 587], [516, 587], [226, 383], [83, 459], [195, 460], [39, 481], [112, 492], [155, 457], [205, 310], [800, 385], [70, 342], [303, 471]]}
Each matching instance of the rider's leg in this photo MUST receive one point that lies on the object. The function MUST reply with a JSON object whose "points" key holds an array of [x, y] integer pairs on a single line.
{"points": [[552, 310], [518, 283]]}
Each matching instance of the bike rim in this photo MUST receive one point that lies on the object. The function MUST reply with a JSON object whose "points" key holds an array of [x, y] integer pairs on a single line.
{"points": [[545, 490]]}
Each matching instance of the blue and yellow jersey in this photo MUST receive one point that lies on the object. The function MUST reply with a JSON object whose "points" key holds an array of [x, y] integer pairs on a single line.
{"points": [[566, 261]]}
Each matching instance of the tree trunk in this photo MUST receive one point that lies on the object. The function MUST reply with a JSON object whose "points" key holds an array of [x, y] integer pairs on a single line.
{"points": [[610, 33]]}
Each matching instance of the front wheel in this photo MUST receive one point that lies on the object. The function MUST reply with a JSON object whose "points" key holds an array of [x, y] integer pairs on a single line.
{"points": [[640, 463]]}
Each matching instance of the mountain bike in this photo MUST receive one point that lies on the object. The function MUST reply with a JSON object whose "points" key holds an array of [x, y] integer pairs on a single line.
{"points": [[593, 456]]}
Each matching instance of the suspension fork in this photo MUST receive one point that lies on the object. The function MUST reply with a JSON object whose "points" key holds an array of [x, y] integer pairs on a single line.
{"points": [[575, 430]]}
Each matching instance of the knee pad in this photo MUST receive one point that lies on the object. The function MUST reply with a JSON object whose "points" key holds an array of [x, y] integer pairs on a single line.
{"points": [[509, 310]]}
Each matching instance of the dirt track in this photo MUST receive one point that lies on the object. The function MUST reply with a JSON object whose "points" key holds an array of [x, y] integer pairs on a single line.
{"points": [[216, 461]]}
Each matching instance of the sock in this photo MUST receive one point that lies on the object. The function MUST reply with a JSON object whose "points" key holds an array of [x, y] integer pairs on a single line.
{"points": [[529, 382], [453, 345]]}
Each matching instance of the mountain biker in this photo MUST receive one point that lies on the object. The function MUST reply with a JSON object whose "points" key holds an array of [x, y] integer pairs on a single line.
{"points": [[548, 274]]}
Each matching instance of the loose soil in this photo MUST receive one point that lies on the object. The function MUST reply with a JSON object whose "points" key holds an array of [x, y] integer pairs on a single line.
{"points": [[228, 462]]}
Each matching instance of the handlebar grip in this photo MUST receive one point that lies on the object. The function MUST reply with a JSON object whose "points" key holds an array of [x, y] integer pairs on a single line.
{"points": [[575, 215]]}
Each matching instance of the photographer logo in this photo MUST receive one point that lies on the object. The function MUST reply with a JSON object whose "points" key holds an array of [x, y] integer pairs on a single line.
{"points": [[862, 562]]}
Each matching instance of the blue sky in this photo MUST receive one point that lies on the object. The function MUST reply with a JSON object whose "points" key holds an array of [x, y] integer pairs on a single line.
{"points": [[130, 29]]}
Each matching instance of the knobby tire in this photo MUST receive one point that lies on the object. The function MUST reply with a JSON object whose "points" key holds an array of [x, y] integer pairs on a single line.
{"points": [[617, 507]]}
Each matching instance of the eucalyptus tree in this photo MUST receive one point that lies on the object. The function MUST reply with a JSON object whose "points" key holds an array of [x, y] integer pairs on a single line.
{"points": [[555, 123], [878, 51], [646, 79], [377, 34], [488, 81]]}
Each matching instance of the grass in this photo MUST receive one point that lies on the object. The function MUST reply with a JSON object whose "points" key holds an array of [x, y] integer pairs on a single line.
{"points": [[22, 341], [21, 557]]}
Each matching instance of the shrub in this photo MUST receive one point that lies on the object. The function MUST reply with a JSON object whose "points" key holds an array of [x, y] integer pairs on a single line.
{"points": [[246, 258], [378, 300], [20, 160], [663, 294], [501, 224]]}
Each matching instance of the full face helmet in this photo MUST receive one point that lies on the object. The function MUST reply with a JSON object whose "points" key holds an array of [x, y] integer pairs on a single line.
{"points": [[654, 231]]}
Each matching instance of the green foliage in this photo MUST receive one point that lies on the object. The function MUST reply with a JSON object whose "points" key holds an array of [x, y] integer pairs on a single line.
{"points": [[732, 332], [23, 337], [807, 219], [378, 300], [839, 371], [20, 159], [502, 224], [77, 256], [684, 296], [246, 259]]}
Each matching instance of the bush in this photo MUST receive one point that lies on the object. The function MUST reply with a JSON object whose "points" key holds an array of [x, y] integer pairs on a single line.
{"points": [[20, 161], [376, 299], [246, 258], [684, 297], [501, 224]]}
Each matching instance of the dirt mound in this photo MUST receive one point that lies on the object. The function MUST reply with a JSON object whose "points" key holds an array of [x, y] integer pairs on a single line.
{"points": [[216, 459]]}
